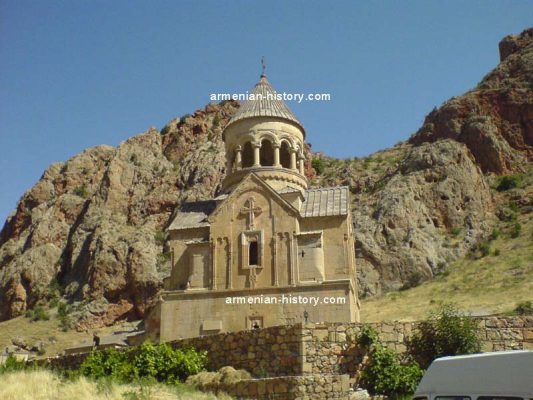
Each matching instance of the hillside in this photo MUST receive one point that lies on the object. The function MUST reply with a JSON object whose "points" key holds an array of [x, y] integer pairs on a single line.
{"points": [[493, 278], [91, 230]]}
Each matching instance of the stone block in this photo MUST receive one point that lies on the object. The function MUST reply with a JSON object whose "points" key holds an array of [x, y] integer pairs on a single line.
{"points": [[321, 334], [511, 334], [387, 328], [345, 382], [401, 348]]}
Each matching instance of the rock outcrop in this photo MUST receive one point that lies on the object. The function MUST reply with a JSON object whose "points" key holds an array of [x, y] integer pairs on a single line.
{"points": [[95, 223], [430, 211], [494, 120]]}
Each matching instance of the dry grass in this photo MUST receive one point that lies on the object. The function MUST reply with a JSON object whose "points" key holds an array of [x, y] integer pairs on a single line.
{"points": [[48, 331], [44, 385], [492, 284], [213, 381]]}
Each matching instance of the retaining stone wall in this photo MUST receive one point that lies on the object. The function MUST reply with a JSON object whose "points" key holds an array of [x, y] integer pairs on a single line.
{"points": [[273, 351], [308, 387], [331, 347], [327, 348]]}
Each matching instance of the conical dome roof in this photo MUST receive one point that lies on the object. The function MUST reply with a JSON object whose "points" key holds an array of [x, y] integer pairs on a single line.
{"points": [[263, 102]]}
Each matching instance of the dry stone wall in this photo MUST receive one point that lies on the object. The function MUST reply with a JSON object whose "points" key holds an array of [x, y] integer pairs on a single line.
{"points": [[308, 387], [332, 349], [273, 351], [317, 361]]}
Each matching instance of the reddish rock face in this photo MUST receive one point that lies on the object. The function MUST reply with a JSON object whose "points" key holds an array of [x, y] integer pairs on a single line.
{"points": [[494, 120], [90, 223]]}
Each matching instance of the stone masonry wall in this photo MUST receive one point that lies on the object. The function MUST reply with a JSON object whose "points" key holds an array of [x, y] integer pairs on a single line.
{"points": [[324, 348], [331, 348], [308, 387], [273, 351]]}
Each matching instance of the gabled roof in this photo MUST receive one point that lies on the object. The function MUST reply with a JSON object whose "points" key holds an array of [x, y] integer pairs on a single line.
{"points": [[193, 215], [235, 192], [264, 102], [325, 202]]}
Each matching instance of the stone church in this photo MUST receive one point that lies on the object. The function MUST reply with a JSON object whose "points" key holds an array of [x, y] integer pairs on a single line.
{"points": [[268, 250]]}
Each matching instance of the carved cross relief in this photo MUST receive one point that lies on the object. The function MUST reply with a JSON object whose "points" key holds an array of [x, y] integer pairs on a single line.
{"points": [[250, 210]]}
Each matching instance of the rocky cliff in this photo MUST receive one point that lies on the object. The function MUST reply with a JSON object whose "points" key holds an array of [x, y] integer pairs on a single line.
{"points": [[93, 226]]}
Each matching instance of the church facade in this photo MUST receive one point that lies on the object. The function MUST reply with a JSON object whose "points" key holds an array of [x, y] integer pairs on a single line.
{"points": [[267, 251]]}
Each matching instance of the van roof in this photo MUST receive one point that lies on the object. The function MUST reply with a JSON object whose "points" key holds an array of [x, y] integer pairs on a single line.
{"points": [[499, 373]]}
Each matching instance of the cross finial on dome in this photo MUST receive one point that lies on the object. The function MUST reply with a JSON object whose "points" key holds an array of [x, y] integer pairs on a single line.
{"points": [[263, 67]]}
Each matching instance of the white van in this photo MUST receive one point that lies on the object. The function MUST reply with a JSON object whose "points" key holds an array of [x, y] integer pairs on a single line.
{"points": [[505, 375]]}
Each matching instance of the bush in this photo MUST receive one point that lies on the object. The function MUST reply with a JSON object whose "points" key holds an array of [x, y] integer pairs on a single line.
{"points": [[524, 308], [38, 313], [445, 333], [509, 182], [12, 364], [413, 280], [318, 165], [160, 362], [81, 191], [484, 249], [110, 363], [62, 314], [160, 238], [516, 230], [385, 373], [168, 365]]}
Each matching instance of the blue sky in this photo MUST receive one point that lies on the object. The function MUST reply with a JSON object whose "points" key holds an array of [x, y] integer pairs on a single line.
{"points": [[75, 74]]}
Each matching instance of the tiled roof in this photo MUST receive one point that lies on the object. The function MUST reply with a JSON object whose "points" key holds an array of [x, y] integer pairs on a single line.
{"points": [[325, 202], [264, 103], [193, 215], [287, 189]]}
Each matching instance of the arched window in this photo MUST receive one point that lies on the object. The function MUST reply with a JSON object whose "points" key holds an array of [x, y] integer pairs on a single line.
{"points": [[266, 154], [253, 253], [247, 155], [232, 156], [285, 155]]}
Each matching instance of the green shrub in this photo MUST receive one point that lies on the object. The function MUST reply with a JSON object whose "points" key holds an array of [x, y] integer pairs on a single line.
{"points": [[318, 165], [37, 313], [63, 311], [160, 238], [385, 373], [484, 249], [495, 234], [445, 333], [496, 252], [524, 308], [12, 364], [168, 365], [456, 231], [367, 337], [413, 280], [516, 230], [110, 363], [509, 182], [81, 191], [149, 361]]}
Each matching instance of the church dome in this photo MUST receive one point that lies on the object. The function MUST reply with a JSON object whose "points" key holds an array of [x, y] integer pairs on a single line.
{"points": [[264, 101], [264, 137]]}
